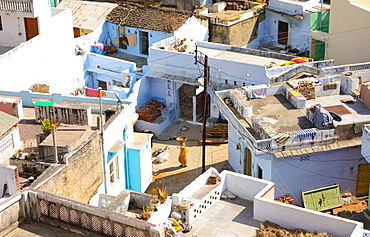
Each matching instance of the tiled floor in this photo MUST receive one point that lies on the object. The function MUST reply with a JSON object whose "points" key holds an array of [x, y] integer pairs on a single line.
{"points": [[170, 174], [227, 218]]}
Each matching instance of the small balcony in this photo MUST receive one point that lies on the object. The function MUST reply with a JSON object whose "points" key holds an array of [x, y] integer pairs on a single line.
{"points": [[16, 5]]}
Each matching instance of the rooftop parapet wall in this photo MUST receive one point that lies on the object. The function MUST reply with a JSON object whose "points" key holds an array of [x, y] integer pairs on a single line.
{"points": [[286, 72], [201, 193], [294, 71], [255, 52], [251, 186], [189, 190], [254, 12], [9, 212], [291, 216], [73, 215], [337, 70], [264, 145], [29, 98]]}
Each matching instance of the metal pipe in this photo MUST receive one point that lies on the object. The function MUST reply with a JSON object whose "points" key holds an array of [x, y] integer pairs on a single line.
{"points": [[205, 94], [54, 143]]}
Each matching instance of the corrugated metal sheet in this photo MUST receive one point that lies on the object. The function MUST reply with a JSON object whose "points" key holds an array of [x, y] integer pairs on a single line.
{"points": [[87, 15]]}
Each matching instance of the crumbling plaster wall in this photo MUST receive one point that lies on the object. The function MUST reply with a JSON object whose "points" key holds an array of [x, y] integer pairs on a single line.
{"points": [[238, 34], [80, 179]]}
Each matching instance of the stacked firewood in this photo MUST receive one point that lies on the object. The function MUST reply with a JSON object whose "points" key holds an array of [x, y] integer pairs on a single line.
{"points": [[286, 199], [307, 89]]}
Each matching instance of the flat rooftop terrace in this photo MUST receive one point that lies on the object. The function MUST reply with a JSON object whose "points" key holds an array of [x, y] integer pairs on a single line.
{"points": [[227, 13], [357, 111], [284, 117], [281, 114], [239, 57], [227, 218]]}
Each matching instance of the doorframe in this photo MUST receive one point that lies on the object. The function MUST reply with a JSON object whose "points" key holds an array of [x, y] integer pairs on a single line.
{"points": [[27, 30], [248, 161], [146, 51]]}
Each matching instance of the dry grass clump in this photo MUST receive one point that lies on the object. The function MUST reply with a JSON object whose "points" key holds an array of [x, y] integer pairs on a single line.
{"points": [[269, 229], [39, 88]]}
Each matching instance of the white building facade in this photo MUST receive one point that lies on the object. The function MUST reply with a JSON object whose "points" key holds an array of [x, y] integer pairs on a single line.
{"points": [[39, 40]]}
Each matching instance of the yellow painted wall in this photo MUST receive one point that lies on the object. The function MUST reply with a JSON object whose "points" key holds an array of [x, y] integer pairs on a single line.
{"points": [[349, 33]]}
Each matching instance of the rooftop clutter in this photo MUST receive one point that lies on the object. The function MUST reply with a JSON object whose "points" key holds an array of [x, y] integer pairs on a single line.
{"points": [[150, 111], [307, 108], [148, 17]]}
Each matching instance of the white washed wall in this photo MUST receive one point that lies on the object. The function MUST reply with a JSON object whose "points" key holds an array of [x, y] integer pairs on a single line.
{"points": [[300, 218], [7, 176], [192, 30], [47, 58], [365, 147]]}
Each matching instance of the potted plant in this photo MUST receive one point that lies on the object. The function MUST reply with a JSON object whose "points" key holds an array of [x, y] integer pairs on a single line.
{"points": [[154, 201], [162, 194], [46, 126], [149, 208], [145, 215]]}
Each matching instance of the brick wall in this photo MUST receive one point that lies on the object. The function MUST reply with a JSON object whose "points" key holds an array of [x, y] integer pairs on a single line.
{"points": [[81, 177]]}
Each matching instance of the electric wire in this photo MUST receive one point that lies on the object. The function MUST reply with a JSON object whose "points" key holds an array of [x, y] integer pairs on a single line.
{"points": [[323, 175], [290, 192], [298, 33], [351, 24]]}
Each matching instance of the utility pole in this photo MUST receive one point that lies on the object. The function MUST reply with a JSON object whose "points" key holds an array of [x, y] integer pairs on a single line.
{"points": [[205, 96], [101, 127]]}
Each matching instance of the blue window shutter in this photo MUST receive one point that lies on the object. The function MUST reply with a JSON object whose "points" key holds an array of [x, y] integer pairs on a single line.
{"points": [[111, 154]]}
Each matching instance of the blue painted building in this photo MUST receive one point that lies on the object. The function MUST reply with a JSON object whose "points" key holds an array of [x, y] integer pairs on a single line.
{"points": [[289, 23], [111, 74], [127, 160], [281, 143], [133, 28]]}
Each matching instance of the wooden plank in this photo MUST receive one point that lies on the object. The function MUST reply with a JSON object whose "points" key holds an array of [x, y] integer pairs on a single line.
{"points": [[214, 141], [217, 132], [279, 154]]}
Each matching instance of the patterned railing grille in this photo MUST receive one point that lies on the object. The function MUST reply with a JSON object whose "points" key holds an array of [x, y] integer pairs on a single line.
{"points": [[94, 106], [164, 42], [16, 5], [11, 97], [9, 216], [332, 71], [35, 99], [6, 144], [88, 221]]}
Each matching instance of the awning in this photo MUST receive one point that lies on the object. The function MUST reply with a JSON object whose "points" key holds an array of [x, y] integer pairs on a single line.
{"points": [[44, 103]]}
